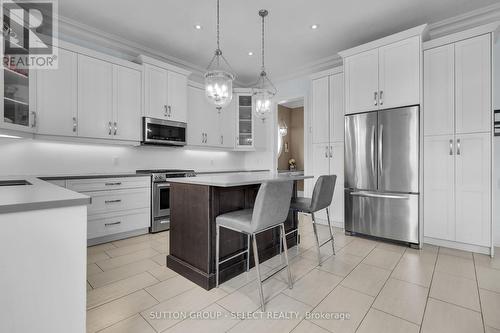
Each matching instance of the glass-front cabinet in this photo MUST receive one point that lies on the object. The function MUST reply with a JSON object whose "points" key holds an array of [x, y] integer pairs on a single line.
{"points": [[17, 93], [244, 122]]}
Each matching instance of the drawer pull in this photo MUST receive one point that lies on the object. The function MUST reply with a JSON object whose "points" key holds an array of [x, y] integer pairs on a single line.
{"points": [[113, 184], [112, 201], [110, 224]]}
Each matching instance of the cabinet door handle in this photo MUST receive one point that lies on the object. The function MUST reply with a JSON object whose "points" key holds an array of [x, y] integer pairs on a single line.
{"points": [[116, 129], [33, 124], [169, 108], [459, 150], [202, 137], [375, 102], [381, 99], [110, 128], [75, 124], [326, 151], [222, 139], [110, 224], [112, 184], [331, 152], [165, 110], [112, 201], [451, 147]]}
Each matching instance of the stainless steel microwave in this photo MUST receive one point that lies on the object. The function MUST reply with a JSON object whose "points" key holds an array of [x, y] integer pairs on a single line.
{"points": [[163, 132]]}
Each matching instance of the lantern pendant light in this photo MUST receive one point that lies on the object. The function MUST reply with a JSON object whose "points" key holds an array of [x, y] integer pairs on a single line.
{"points": [[264, 89], [218, 78]]}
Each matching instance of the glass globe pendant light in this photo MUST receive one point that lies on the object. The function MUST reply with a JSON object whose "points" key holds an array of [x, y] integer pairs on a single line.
{"points": [[218, 78], [264, 89]]}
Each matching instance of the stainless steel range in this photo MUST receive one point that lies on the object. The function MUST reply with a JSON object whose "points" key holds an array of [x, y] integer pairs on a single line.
{"points": [[160, 195]]}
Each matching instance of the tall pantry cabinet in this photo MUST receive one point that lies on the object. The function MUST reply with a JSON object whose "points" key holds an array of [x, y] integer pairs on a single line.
{"points": [[457, 141], [327, 136]]}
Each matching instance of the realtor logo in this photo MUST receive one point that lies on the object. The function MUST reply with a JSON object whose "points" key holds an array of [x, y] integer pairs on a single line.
{"points": [[29, 34]]}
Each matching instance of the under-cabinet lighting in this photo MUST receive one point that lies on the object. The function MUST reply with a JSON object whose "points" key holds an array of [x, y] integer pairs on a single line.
{"points": [[9, 136]]}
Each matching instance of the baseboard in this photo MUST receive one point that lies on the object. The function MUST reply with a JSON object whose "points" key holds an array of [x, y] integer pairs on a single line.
{"points": [[115, 237], [457, 245], [337, 224]]}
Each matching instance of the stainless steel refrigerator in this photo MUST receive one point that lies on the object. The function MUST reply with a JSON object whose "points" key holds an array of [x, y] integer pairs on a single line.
{"points": [[382, 174]]}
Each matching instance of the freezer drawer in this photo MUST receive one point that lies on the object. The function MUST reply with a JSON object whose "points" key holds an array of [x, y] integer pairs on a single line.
{"points": [[387, 215]]}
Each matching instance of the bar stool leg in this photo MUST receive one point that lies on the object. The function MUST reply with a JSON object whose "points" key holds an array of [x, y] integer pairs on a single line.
{"points": [[285, 247], [248, 252], [217, 235], [330, 228], [256, 258], [317, 239]]}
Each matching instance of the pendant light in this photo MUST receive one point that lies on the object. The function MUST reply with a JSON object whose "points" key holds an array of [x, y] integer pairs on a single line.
{"points": [[264, 89], [218, 78]]}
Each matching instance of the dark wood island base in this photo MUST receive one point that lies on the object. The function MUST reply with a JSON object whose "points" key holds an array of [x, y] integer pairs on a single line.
{"points": [[194, 208]]}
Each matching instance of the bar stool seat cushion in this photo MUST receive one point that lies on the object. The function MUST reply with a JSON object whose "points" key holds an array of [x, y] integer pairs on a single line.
{"points": [[301, 204], [238, 220]]}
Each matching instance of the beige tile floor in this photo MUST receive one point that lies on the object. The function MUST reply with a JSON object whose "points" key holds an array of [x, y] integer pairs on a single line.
{"points": [[368, 286]]}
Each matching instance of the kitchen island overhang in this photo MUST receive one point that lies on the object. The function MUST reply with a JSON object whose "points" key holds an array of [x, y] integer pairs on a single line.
{"points": [[196, 202]]}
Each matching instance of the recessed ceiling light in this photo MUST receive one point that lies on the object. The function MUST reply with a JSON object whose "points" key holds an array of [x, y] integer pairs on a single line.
{"points": [[314, 26], [197, 27], [250, 53]]}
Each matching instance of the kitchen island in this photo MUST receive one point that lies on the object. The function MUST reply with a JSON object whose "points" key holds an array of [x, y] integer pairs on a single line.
{"points": [[195, 203]]}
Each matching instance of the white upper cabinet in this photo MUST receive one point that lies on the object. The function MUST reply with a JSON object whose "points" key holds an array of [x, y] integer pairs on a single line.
{"points": [[227, 127], [321, 108], [439, 90], [473, 189], [399, 73], [203, 120], [336, 107], [156, 91], [165, 93], [361, 82], [95, 98], [385, 73], [177, 96], [127, 103], [56, 94], [473, 84]]}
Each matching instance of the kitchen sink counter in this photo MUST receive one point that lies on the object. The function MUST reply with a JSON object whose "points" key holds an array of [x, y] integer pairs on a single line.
{"points": [[37, 195], [240, 178]]}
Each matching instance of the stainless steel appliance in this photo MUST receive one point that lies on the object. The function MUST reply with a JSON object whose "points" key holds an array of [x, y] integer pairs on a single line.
{"points": [[382, 174], [163, 132], [160, 196]]}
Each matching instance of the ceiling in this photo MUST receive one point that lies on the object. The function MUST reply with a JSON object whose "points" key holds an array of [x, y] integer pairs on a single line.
{"points": [[167, 26]]}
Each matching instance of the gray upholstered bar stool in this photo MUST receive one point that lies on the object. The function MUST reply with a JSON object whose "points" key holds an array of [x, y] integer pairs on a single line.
{"points": [[270, 211], [321, 199]]}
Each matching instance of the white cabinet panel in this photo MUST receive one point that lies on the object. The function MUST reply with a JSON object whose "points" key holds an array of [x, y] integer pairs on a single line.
{"points": [[473, 188], [321, 109], [321, 166], [57, 97], [439, 90], [361, 81], [203, 129], [399, 73], [156, 87], [127, 103], [337, 168], [473, 84], [439, 187], [337, 107], [177, 97], [95, 97], [226, 127]]}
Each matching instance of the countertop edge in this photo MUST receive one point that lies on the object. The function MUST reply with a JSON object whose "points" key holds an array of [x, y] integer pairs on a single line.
{"points": [[30, 206]]}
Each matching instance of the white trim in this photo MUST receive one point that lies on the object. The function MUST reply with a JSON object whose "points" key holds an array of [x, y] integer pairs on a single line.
{"points": [[465, 34], [457, 245], [420, 30], [79, 139], [144, 59], [328, 72]]}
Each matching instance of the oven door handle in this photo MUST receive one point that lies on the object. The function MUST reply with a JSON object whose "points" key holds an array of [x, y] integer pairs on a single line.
{"points": [[162, 185]]}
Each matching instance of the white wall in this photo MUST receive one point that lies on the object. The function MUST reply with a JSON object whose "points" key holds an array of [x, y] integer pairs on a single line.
{"points": [[38, 157]]}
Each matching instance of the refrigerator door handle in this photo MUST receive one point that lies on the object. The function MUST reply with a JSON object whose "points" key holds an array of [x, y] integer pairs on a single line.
{"points": [[377, 195], [380, 149], [373, 149]]}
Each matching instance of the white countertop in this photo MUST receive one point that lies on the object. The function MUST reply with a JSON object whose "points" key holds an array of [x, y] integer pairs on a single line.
{"points": [[39, 195], [239, 179]]}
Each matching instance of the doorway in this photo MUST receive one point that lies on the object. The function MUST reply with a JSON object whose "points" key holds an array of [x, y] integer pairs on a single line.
{"points": [[290, 150]]}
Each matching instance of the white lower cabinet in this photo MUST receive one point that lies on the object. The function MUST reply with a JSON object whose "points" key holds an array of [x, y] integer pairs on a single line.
{"points": [[120, 206], [457, 188]]}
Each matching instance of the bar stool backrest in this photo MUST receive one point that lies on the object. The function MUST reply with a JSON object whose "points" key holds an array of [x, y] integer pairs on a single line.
{"points": [[272, 204], [323, 192]]}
